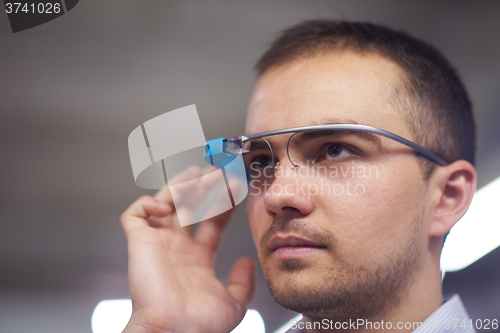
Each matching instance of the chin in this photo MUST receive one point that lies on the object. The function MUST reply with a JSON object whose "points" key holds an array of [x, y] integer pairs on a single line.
{"points": [[316, 301], [340, 292], [293, 266]]}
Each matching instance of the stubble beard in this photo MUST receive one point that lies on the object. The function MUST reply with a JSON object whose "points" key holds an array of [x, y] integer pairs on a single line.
{"points": [[351, 292]]}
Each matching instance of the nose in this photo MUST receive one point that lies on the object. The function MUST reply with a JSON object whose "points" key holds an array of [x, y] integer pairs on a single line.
{"points": [[288, 192]]}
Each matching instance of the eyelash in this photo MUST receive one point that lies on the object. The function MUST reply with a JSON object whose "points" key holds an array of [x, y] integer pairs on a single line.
{"points": [[256, 158], [345, 147], [323, 150]]}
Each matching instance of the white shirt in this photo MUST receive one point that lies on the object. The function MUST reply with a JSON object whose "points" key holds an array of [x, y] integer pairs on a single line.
{"points": [[451, 317]]}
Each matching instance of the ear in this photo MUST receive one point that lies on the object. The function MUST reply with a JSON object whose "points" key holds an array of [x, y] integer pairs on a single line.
{"points": [[454, 186]]}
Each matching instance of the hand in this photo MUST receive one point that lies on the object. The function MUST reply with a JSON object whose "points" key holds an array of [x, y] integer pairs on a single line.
{"points": [[171, 273]]}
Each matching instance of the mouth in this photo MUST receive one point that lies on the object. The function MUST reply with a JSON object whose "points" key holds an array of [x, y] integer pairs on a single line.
{"points": [[291, 247]]}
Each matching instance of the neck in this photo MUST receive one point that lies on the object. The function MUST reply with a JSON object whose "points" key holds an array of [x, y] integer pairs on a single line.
{"points": [[421, 299]]}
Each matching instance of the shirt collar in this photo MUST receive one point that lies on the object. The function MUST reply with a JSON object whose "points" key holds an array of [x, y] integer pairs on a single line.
{"points": [[449, 317]]}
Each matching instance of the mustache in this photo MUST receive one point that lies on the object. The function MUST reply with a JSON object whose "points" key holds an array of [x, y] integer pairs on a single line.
{"points": [[299, 228]]}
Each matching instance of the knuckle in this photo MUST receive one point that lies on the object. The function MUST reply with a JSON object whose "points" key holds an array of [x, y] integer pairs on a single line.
{"points": [[138, 203], [145, 198], [123, 219]]}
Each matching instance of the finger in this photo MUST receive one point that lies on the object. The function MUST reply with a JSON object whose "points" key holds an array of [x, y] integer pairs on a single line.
{"points": [[138, 213], [182, 189], [210, 232], [208, 169], [190, 196], [190, 173], [238, 188], [184, 218], [191, 193], [241, 284]]}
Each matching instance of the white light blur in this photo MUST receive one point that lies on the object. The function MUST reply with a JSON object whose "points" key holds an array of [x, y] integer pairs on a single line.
{"points": [[251, 323], [288, 325], [477, 233], [111, 316]]}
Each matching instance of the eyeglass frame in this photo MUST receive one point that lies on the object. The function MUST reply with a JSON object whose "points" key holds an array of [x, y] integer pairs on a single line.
{"points": [[241, 140]]}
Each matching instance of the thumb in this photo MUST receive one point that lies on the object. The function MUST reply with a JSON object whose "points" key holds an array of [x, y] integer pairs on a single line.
{"points": [[242, 281]]}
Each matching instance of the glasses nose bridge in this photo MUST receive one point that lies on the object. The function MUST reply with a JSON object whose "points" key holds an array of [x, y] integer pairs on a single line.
{"points": [[296, 158], [281, 155], [284, 158]]}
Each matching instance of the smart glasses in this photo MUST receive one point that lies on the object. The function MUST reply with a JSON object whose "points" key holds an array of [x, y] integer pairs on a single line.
{"points": [[311, 150]]}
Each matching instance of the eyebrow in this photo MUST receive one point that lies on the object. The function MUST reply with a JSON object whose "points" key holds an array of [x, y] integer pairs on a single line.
{"points": [[371, 137], [352, 127], [322, 121], [257, 144], [332, 121], [301, 137]]}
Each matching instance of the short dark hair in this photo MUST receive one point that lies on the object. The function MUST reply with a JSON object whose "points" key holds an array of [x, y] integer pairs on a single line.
{"points": [[432, 97]]}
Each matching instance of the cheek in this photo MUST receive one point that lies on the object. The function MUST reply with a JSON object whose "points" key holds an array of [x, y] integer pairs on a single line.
{"points": [[376, 218]]}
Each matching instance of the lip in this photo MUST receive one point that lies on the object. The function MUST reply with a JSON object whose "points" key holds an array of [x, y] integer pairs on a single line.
{"points": [[293, 248], [291, 241]]}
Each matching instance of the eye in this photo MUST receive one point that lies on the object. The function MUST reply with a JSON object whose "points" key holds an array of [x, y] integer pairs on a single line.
{"points": [[336, 151], [261, 161]]}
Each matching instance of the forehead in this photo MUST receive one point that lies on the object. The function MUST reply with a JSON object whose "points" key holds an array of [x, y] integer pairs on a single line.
{"points": [[335, 87]]}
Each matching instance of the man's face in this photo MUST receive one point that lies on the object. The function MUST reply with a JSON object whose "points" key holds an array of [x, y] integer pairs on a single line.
{"points": [[339, 255]]}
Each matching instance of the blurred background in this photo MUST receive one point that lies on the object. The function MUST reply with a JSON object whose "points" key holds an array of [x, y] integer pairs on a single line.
{"points": [[73, 89]]}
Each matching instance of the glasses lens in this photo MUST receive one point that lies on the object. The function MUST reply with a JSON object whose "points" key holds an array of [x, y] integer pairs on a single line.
{"points": [[259, 163], [324, 153], [330, 155]]}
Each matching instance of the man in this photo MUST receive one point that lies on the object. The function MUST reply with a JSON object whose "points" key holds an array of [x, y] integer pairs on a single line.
{"points": [[370, 254]]}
